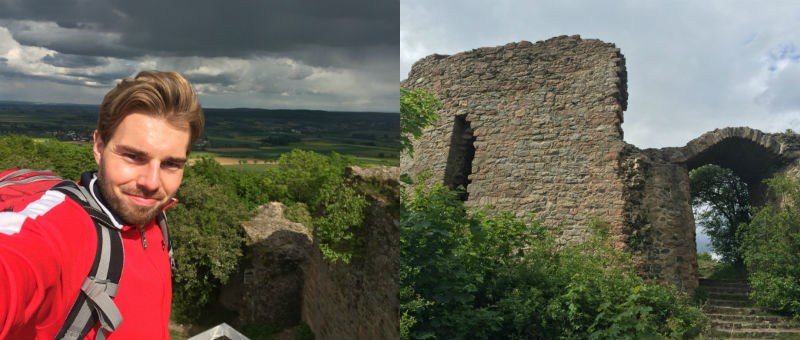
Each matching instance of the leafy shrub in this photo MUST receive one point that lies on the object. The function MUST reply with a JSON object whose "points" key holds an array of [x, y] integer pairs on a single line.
{"points": [[479, 276], [298, 212], [65, 159], [340, 211], [417, 111], [304, 173], [770, 245], [303, 332], [207, 240]]}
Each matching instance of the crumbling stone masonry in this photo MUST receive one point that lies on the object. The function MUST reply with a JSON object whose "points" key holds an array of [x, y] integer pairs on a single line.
{"points": [[536, 128]]}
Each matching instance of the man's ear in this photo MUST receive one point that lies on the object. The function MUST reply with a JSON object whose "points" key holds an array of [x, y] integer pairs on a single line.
{"points": [[97, 149]]}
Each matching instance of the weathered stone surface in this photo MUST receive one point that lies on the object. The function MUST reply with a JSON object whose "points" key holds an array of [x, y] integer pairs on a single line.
{"points": [[270, 284], [284, 278], [360, 300], [544, 122]]}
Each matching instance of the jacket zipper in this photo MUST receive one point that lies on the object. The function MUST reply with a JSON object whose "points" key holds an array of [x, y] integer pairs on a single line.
{"points": [[144, 240]]}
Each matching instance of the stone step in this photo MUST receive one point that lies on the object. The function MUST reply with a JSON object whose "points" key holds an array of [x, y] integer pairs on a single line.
{"points": [[709, 309], [761, 333], [728, 290], [715, 283], [748, 318], [729, 303], [753, 325], [723, 296]]}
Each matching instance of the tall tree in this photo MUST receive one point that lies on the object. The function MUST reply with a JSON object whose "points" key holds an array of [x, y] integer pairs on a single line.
{"points": [[721, 202]]}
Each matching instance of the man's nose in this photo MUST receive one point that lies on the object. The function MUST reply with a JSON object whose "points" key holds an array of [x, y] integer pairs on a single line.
{"points": [[149, 177]]}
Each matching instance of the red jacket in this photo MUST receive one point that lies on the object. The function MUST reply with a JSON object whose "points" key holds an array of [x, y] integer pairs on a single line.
{"points": [[47, 246]]}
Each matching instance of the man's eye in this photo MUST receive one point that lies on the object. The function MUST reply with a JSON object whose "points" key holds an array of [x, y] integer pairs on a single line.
{"points": [[131, 156], [172, 165]]}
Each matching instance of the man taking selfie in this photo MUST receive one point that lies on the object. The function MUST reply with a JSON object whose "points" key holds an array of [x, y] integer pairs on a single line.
{"points": [[61, 273]]}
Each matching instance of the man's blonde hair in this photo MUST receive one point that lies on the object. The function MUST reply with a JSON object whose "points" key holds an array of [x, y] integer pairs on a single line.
{"points": [[160, 94]]}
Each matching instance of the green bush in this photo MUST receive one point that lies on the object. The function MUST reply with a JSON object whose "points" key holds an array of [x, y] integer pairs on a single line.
{"points": [[298, 212], [340, 212], [482, 276], [65, 159], [303, 332], [418, 110], [770, 245], [207, 240]]}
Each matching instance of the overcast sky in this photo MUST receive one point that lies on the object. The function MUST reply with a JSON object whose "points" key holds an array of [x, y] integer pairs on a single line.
{"points": [[693, 66], [312, 54]]}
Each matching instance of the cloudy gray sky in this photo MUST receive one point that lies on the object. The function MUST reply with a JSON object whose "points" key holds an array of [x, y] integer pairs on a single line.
{"points": [[693, 66], [312, 54]]}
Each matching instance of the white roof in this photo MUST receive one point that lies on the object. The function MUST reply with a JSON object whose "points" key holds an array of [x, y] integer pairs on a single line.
{"points": [[220, 331]]}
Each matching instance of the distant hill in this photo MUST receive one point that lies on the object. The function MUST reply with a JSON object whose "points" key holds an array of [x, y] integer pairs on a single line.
{"points": [[241, 132], [43, 120]]}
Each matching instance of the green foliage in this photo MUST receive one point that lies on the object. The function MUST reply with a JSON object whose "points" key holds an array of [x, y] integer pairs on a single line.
{"points": [[212, 203], [298, 212], [303, 332], [259, 331], [705, 265], [729, 271], [207, 240], [305, 172], [249, 189], [336, 208], [417, 111], [340, 211], [66, 160], [770, 245], [721, 202], [302, 180], [478, 276]]}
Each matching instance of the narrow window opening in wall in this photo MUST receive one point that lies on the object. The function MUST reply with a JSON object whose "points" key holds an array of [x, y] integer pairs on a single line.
{"points": [[459, 158]]}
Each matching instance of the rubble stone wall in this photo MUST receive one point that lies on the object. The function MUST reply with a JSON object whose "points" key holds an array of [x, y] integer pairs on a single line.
{"points": [[360, 300], [546, 124]]}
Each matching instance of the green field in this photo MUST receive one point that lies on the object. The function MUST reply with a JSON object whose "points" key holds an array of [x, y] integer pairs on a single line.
{"points": [[369, 138]]}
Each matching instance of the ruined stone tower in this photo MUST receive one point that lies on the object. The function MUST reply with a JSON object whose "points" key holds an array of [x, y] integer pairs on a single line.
{"points": [[536, 129]]}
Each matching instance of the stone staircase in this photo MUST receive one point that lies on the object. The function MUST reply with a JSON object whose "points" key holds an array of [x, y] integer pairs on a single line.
{"points": [[733, 315]]}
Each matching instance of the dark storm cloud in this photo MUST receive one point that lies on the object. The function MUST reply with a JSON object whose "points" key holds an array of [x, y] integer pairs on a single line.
{"points": [[74, 61], [220, 79], [238, 28]]}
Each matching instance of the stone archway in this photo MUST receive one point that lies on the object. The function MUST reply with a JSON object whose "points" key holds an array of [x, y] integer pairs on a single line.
{"points": [[658, 214], [751, 154]]}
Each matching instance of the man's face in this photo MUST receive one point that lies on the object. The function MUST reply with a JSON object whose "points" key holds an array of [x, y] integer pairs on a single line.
{"points": [[141, 166]]}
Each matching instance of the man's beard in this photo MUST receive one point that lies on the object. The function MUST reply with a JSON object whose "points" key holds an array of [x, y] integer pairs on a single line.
{"points": [[128, 212]]}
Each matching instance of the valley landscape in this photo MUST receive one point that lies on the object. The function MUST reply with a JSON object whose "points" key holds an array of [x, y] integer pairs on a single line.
{"points": [[243, 138]]}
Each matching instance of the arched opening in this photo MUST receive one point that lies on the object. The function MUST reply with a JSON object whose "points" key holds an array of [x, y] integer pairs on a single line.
{"points": [[749, 163], [460, 155]]}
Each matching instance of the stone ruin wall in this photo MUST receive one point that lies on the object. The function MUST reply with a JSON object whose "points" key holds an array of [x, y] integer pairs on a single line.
{"points": [[545, 119], [284, 279], [360, 300], [542, 125]]}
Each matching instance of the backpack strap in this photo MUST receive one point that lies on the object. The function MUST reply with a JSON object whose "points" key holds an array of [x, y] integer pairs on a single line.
{"points": [[101, 285], [161, 219], [37, 176]]}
